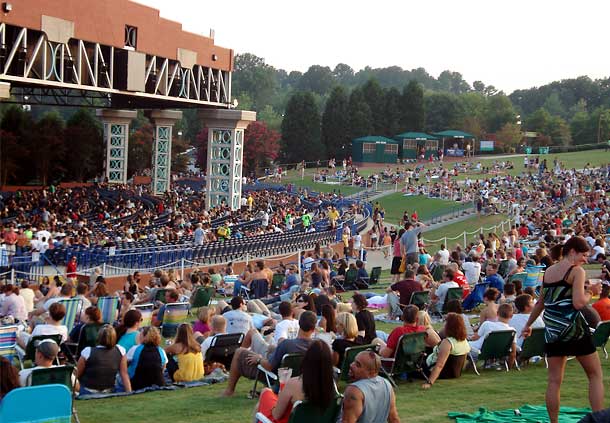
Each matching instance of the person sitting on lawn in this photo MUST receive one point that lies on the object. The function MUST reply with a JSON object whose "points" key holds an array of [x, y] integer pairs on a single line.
{"points": [[315, 385], [46, 354], [524, 304], [440, 293], [370, 398], [98, 366], [490, 312], [347, 333], [238, 321], [409, 317], [147, 360], [245, 362], [185, 363], [405, 289], [505, 313], [493, 278], [171, 297], [52, 326], [454, 344]]}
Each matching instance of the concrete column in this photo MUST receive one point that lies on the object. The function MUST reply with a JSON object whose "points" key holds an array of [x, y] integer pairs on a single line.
{"points": [[116, 136], [164, 121], [225, 154]]}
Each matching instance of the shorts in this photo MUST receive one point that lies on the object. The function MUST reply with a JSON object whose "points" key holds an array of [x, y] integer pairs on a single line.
{"points": [[249, 370], [412, 258], [396, 265], [577, 347]]}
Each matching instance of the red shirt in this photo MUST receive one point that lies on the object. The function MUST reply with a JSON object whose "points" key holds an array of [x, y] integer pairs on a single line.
{"points": [[10, 237], [603, 308], [462, 282], [523, 231], [398, 332]]}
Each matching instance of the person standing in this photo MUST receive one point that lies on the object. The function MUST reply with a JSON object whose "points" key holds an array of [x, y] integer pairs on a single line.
{"points": [[408, 243], [566, 330]]}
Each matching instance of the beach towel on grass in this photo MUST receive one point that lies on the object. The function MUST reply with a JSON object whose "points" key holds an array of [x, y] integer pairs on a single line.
{"points": [[215, 377], [528, 414]]}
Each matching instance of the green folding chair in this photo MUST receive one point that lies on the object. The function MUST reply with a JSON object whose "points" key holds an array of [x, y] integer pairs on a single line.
{"points": [[351, 276], [277, 282], [421, 299], [302, 412], [497, 346], [408, 358], [74, 307], [87, 337], [452, 294], [292, 361], [160, 295], [437, 273], [374, 276], [202, 296], [533, 346], [601, 335], [349, 356], [175, 314], [109, 307], [30, 349]]}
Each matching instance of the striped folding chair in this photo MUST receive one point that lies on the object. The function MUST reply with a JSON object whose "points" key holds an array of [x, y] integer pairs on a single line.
{"points": [[8, 343], [173, 316], [109, 307], [146, 310], [74, 307]]}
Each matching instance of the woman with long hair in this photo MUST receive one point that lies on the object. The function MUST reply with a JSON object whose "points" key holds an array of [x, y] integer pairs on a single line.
{"points": [[315, 385], [328, 320], [365, 319], [186, 362], [9, 377], [563, 296], [347, 334], [454, 344]]}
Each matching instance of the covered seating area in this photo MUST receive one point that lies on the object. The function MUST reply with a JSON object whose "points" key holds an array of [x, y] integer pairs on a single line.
{"points": [[417, 145], [456, 143]]}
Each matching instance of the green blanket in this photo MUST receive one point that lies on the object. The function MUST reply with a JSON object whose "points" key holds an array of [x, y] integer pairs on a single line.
{"points": [[528, 414]]}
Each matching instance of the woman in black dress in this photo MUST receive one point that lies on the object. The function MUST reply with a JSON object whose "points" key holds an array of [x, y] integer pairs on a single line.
{"points": [[365, 319], [563, 297]]}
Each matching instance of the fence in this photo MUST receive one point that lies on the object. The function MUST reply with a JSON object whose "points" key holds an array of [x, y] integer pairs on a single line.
{"points": [[464, 235]]}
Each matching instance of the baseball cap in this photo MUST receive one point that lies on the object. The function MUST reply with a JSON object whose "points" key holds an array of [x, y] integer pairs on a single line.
{"points": [[47, 347]]}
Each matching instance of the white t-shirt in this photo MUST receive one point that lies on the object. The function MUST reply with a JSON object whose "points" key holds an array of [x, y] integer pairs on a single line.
{"points": [[441, 291], [597, 251], [472, 271], [486, 328], [238, 321], [443, 257], [28, 297], [287, 329], [133, 349], [87, 351], [46, 329], [518, 322]]}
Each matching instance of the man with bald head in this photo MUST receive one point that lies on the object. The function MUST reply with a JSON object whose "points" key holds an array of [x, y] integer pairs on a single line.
{"points": [[370, 398]]}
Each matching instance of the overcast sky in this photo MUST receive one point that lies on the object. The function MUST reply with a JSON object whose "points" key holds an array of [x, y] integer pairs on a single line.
{"points": [[511, 45]]}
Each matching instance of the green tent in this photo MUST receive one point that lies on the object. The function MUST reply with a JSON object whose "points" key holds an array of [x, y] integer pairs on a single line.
{"points": [[374, 149], [454, 142], [413, 142]]}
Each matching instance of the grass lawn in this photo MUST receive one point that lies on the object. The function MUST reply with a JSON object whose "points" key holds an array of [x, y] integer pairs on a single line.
{"points": [[321, 187], [493, 389], [395, 205]]}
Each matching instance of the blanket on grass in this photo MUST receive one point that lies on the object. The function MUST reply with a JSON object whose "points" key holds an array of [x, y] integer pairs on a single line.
{"points": [[525, 414], [216, 376]]}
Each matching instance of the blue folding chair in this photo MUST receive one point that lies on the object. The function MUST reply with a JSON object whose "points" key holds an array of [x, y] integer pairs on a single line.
{"points": [[74, 306], [16, 406], [109, 307]]}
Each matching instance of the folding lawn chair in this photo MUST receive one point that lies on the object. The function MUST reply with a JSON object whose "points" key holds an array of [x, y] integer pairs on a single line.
{"points": [[533, 346], [61, 375], [409, 357], [475, 297], [17, 405], [600, 336], [277, 282], [259, 288], [421, 299], [30, 349], [8, 343], [518, 277], [74, 307], [497, 346], [349, 356], [175, 314], [374, 276], [146, 310], [109, 307], [223, 348], [292, 361], [302, 412], [202, 296], [160, 295], [351, 276]]}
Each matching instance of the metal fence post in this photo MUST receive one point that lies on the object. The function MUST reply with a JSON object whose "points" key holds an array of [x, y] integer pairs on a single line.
{"points": [[445, 239], [182, 268], [104, 269], [465, 239], [13, 276]]}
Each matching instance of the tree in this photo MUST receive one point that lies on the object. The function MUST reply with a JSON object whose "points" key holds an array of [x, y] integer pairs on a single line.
{"points": [[452, 82], [261, 146], [510, 136], [84, 142], [301, 129], [254, 77], [412, 108], [360, 116], [443, 111], [553, 105], [392, 115], [499, 112], [374, 96], [581, 129], [538, 121], [272, 119], [48, 149], [16, 129], [140, 149], [318, 79], [336, 123], [343, 74]]}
